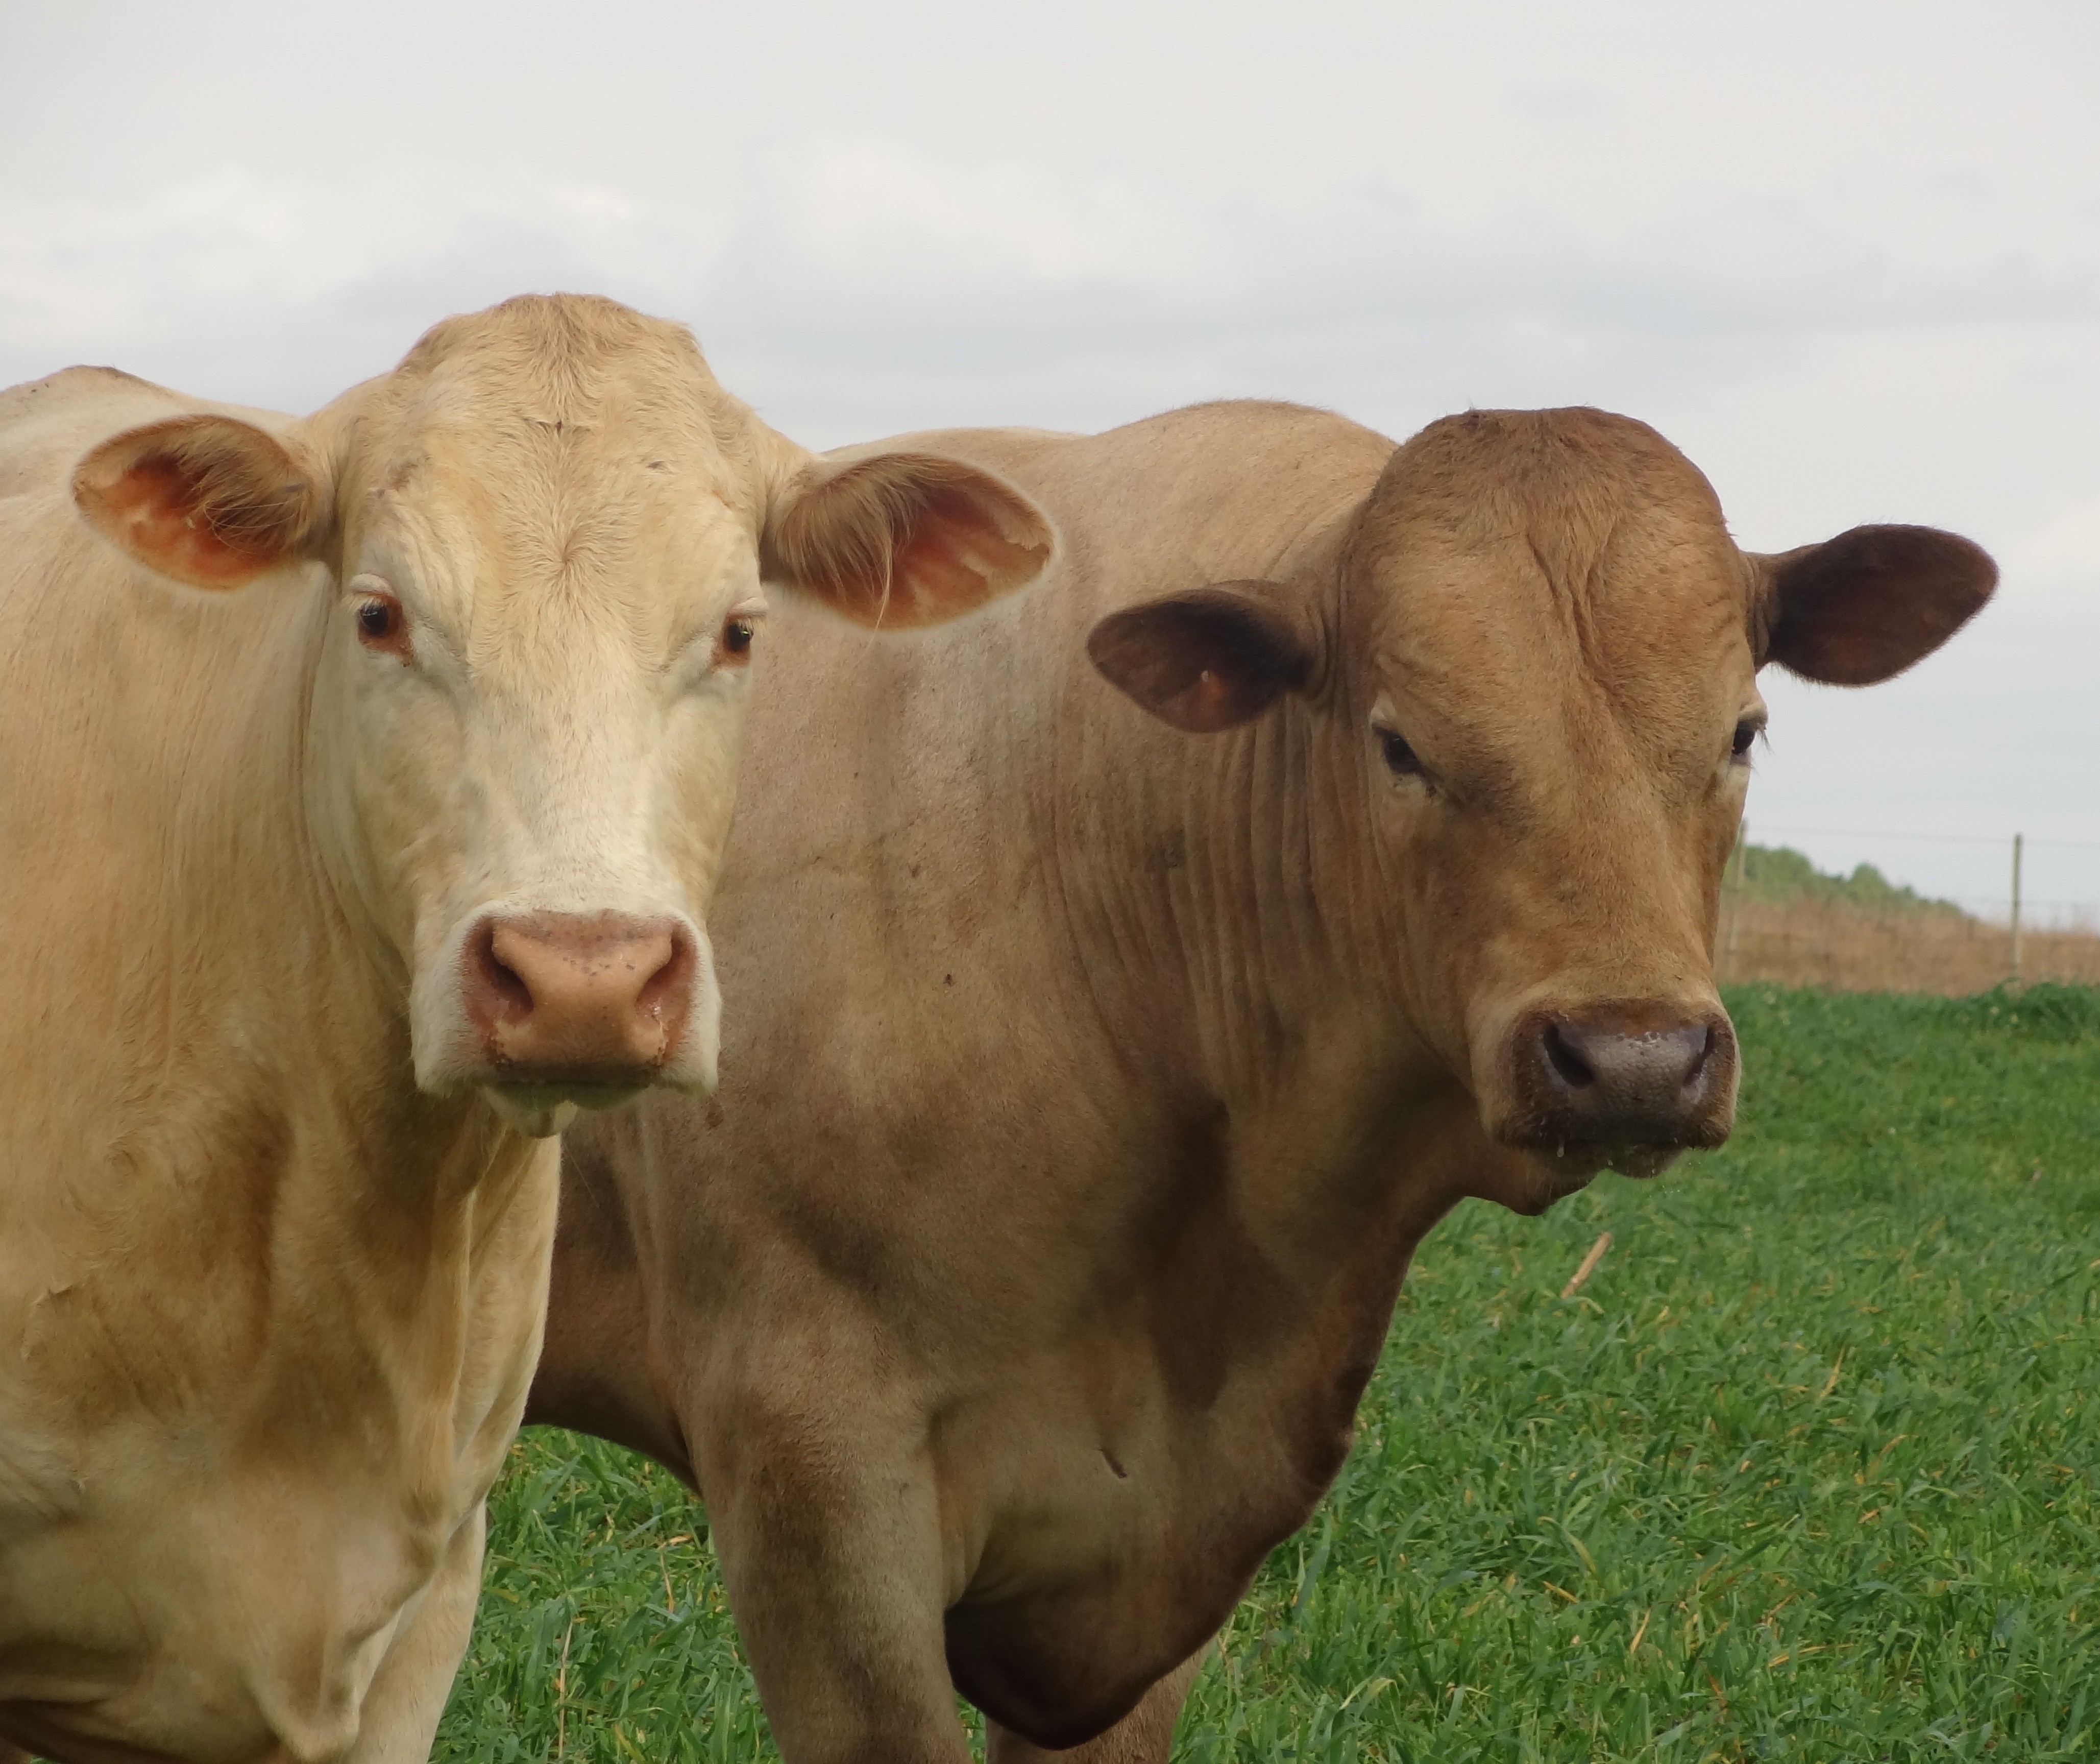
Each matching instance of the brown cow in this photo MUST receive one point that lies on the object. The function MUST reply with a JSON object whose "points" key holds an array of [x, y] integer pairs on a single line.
{"points": [[1096, 1080]]}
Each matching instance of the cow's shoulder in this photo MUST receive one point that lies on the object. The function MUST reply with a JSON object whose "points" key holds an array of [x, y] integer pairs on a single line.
{"points": [[1261, 422], [1220, 491]]}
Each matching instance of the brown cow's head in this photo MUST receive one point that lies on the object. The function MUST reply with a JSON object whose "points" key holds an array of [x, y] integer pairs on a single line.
{"points": [[532, 556], [1532, 674]]}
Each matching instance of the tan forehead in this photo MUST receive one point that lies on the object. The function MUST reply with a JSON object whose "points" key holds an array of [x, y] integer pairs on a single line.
{"points": [[557, 391], [1569, 539], [564, 439]]}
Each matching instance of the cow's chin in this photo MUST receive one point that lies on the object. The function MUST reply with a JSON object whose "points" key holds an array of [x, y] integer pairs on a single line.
{"points": [[1531, 1178], [1571, 1167], [541, 1111]]}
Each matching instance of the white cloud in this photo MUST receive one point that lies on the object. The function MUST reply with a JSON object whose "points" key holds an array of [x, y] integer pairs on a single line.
{"points": [[854, 201], [2069, 545]]}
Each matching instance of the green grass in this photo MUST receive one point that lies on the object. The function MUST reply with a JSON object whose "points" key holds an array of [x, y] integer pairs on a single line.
{"points": [[1803, 1471]]}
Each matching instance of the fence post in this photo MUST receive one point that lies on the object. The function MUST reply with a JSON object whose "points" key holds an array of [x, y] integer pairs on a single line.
{"points": [[2018, 839]]}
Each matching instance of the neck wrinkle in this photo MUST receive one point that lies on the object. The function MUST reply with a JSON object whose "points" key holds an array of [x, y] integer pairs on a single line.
{"points": [[1211, 890]]}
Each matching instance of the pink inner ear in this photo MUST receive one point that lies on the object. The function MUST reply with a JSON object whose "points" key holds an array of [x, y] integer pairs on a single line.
{"points": [[953, 558], [155, 505]]}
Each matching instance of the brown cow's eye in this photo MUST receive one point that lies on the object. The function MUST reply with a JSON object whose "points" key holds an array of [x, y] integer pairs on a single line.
{"points": [[1746, 733], [1400, 758]]}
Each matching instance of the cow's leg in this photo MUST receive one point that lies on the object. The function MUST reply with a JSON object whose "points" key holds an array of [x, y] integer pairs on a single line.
{"points": [[831, 1548], [1143, 1736], [408, 1692], [849, 1656]]}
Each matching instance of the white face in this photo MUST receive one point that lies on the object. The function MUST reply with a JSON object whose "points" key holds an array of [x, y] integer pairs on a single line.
{"points": [[530, 730], [545, 530]]}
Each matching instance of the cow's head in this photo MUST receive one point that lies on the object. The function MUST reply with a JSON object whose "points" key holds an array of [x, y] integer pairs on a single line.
{"points": [[1530, 679], [543, 538]]}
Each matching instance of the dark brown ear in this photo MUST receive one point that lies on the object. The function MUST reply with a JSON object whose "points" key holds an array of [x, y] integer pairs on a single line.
{"points": [[903, 539], [209, 500], [1863, 607], [1206, 660]]}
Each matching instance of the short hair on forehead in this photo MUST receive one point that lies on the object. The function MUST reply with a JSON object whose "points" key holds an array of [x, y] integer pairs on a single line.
{"points": [[563, 360], [540, 419], [1561, 482]]}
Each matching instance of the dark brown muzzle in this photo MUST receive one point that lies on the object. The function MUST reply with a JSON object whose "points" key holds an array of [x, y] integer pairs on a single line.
{"points": [[1623, 1076], [561, 998]]}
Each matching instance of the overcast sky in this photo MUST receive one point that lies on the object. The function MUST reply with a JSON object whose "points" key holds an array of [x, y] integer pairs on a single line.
{"points": [[1847, 255]]}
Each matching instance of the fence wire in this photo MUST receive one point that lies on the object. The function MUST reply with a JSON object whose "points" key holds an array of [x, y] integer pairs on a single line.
{"points": [[2041, 923]]}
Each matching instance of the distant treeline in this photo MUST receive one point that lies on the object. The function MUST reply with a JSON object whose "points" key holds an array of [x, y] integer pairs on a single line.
{"points": [[1780, 876]]}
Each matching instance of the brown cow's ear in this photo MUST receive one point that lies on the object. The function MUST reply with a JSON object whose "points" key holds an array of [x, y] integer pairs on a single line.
{"points": [[1865, 605], [209, 500], [1206, 660], [902, 540]]}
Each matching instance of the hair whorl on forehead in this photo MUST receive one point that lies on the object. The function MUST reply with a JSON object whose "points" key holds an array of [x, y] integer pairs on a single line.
{"points": [[576, 362], [1537, 456], [1560, 480], [557, 340]]}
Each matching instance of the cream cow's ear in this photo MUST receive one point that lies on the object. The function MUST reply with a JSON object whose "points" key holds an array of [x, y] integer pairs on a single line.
{"points": [[1863, 607], [209, 500], [1207, 659], [902, 540]]}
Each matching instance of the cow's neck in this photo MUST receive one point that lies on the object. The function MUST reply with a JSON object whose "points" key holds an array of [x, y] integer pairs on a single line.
{"points": [[1221, 898]]}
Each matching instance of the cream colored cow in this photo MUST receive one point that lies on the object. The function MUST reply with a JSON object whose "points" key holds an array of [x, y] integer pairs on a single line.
{"points": [[362, 781]]}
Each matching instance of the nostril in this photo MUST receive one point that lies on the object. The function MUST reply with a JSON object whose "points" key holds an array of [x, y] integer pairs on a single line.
{"points": [[1702, 1046], [499, 990], [1566, 1059], [667, 988]]}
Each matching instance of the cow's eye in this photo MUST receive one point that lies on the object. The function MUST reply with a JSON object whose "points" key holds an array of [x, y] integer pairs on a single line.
{"points": [[1400, 760], [382, 625], [1746, 732], [732, 644]]}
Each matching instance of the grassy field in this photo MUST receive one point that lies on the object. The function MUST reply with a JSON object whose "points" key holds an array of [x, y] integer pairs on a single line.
{"points": [[1804, 1470]]}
